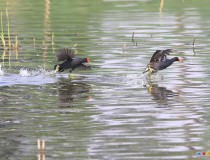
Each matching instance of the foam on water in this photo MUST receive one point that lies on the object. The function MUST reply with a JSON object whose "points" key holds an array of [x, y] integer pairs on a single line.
{"points": [[136, 79], [1, 71], [133, 79], [26, 76], [24, 73], [40, 72]]}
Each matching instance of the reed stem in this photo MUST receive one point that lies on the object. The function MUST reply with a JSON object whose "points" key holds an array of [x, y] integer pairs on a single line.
{"points": [[8, 25]]}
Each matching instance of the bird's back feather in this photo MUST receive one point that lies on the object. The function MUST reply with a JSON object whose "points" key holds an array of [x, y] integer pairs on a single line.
{"points": [[65, 54], [160, 55]]}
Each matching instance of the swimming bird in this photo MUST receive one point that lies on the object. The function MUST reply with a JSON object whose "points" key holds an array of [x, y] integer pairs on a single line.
{"points": [[70, 61], [159, 61]]}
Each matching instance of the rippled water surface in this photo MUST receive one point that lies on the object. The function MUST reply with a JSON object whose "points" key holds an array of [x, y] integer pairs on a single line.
{"points": [[112, 111]]}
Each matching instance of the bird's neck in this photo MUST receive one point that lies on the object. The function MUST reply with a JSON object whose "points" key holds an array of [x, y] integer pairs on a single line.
{"points": [[174, 59]]}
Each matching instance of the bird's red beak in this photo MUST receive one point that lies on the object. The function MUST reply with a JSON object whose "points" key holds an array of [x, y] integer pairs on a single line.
{"points": [[180, 60], [88, 60]]}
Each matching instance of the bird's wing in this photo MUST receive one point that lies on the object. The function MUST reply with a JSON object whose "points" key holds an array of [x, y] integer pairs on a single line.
{"points": [[156, 56], [160, 55], [65, 54]]}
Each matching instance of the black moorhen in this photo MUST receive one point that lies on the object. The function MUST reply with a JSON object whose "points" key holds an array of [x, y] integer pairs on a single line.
{"points": [[159, 61], [70, 61]]}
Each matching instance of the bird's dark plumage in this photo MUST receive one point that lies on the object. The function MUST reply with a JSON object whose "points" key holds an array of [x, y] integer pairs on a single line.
{"points": [[70, 61], [159, 61], [65, 54], [160, 55]]}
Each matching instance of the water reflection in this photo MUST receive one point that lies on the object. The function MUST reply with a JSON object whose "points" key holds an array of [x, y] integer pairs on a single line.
{"points": [[70, 92], [161, 95], [123, 120]]}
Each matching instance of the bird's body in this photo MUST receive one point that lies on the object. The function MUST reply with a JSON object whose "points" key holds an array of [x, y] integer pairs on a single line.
{"points": [[159, 61], [70, 61], [163, 64], [72, 64]]}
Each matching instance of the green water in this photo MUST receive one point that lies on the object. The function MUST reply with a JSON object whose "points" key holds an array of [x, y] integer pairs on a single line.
{"points": [[111, 111]]}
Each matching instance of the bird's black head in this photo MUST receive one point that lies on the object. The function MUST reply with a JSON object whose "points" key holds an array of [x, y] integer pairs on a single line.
{"points": [[58, 68], [177, 59]]}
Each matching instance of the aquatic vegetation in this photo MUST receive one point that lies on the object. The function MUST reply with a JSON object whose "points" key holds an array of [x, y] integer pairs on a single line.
{"points": [[8, 30], [8, 46], [2, 33], [15, 47], [53, 48], [34, 43], [41, 148]]}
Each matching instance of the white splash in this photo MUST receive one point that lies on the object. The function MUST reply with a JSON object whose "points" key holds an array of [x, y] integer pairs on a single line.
{"points": [[39, 72], [132, 79], [1, 71], [24, 72], [43, 72]]}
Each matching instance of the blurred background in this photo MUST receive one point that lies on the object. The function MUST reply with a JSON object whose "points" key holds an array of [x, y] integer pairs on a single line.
{"points": [[111, 111]]}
